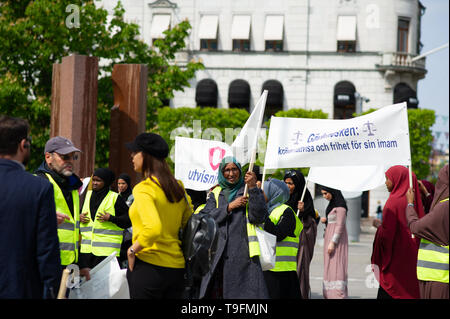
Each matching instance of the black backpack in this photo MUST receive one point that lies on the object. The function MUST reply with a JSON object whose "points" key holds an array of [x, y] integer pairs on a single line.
{"points": [[199, 244]]}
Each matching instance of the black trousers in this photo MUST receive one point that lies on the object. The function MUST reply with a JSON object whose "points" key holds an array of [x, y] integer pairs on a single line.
{"points": [[382, 294], [282, 284], [148, 281]]}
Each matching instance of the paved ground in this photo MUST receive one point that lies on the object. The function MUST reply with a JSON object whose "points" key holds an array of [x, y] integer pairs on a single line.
{"points": [[360, 279]]}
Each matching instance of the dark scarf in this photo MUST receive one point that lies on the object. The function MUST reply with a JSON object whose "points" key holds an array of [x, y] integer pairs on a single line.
{"points": [[299, 182], [97, 196], [337, 200]]}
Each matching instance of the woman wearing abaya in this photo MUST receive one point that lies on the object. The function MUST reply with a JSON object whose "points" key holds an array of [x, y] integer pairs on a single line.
{"points": [[394, 254], [233, 273], [96, 208], [335, 255], [433, 229], [296, 183]]}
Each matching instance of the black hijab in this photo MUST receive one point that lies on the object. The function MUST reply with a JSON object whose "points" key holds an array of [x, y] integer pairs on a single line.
{"points": [[337, 199], [97, 197], [299, 182], [127, 180]]}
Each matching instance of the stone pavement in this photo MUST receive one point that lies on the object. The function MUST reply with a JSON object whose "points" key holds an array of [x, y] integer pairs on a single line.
{"points": [[361, 283]]}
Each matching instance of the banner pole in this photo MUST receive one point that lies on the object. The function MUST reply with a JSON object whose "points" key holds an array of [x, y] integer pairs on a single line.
{"points": [[263, 179], [303, 193]]}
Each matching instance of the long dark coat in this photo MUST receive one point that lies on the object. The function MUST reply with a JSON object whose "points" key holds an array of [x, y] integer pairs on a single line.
{"points": [[242, 275], [30, 265]]}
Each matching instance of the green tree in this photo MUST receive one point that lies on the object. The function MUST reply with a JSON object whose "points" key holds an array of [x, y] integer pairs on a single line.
{"points": [[36, 34]]}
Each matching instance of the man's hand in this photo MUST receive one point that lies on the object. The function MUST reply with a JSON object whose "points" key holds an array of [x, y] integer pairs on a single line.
{"points": [[60, 217]]}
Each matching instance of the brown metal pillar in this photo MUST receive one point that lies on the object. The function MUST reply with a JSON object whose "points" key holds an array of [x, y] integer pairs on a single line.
{"points": [[74, 107], [127, 115]]}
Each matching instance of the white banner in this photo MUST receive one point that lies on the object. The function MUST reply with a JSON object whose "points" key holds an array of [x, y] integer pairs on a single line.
{"points": [[197, 161], [349, 178], [381, 137]]}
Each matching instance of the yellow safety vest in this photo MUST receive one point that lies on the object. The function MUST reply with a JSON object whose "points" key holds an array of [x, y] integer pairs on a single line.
{"points": [[286, 250], [253, 244], [101, 238], [199, 208], [69, 230], [433, 261]]}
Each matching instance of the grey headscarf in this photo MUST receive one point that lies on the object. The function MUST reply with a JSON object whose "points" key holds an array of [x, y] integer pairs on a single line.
{"points": [[277, 193]]}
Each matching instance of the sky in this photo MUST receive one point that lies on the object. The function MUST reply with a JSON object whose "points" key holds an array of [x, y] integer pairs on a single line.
{"points": [[432, 91]]}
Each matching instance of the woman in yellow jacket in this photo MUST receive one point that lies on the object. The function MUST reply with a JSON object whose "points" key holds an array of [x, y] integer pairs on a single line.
{"points": [[160, 209]]}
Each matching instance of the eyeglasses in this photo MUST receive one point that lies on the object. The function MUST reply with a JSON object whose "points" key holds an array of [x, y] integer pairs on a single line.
{"points": [[229, 170], [68, 157], [29, 139]]}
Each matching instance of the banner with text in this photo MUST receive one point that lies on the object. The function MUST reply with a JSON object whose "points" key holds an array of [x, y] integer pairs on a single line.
{"points": [[197, 161], [380, 137]]}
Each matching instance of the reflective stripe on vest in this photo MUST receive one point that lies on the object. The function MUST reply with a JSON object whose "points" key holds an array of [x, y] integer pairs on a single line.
{"points": [[101, 238], [286, 251], [69, 230], [253, 244], [433, 261], [199, 208]]}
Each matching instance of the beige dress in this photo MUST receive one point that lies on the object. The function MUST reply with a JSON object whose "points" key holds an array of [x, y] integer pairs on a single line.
{"points": [[336, 264]]}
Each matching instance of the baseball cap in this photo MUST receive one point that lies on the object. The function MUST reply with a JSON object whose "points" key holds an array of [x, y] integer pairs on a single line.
{"points": [[60, 145]]}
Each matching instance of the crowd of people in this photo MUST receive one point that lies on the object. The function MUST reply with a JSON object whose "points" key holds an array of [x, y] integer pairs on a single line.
{"points": [[64, 220]]}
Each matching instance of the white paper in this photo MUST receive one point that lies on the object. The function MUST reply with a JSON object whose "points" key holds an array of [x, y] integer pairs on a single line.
{"points": [[107, 281]]}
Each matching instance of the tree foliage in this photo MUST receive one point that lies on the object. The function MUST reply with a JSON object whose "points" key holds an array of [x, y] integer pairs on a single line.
{"points": [[35, 34]]}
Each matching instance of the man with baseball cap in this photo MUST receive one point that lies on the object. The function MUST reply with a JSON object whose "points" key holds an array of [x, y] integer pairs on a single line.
{"points": [[60, 155]]}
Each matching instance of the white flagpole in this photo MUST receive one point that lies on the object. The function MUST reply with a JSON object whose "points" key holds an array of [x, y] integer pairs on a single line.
{"points": [[263, 179], [255, 142], [303, 193]]}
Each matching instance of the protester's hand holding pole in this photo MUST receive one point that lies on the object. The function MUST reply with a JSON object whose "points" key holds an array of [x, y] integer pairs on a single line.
{"points": [[303, 196]]}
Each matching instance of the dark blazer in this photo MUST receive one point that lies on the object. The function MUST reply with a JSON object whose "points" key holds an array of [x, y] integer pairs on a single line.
{"points": [[29, 246], [242, 275]]}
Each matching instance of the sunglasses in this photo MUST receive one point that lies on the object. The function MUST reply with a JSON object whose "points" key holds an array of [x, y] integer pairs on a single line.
{"points": [[291, 173]]}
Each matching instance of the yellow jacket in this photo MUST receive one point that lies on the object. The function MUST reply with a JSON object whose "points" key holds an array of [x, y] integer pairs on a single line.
{"points": [[156, 223]]}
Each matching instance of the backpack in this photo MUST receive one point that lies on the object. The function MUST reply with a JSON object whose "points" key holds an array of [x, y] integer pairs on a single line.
{"points": [[199, 244]]}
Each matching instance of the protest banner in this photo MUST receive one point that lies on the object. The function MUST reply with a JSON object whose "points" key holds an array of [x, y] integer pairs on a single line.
{"points": [[349, 178], [197, 161], [381, 137]]}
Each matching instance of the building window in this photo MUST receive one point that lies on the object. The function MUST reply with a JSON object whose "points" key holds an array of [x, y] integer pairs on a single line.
{"points": [[346, 46], [208, 32], [208, 44], [206, 93], [241, 45], [344, 100], [160, 23], [346, 34], [274, 45], [240, 32], [402, 35], [275, 96], [404, 93], [273, 33], [239, 95]]}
